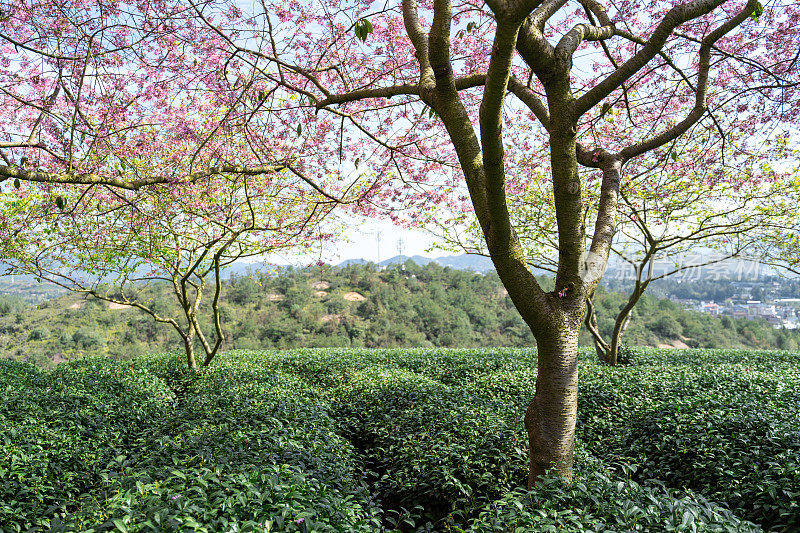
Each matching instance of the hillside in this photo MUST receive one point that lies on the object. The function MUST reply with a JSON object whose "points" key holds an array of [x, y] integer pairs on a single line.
{"points": [[357, 305]]}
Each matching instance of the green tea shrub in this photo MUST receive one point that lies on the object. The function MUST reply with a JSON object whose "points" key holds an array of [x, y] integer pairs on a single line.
{"points": [[753, 359], [463, 367], [98, 445], [728, 430], [246, 417], [427, 440], [429, 445], [596, 502], [733, 452], [270, 497], [243, 414], [61, 430], [628, 355]]}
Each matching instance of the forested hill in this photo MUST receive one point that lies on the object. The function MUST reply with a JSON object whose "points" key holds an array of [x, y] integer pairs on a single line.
{"points": [[357, 305]]}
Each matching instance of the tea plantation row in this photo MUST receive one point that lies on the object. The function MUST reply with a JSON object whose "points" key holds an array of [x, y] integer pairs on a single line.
{"points": [[429, 440]]}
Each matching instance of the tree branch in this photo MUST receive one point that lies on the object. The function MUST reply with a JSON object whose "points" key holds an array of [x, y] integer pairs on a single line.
{"points": [[700, 92], [70, 178], [674, 18]]}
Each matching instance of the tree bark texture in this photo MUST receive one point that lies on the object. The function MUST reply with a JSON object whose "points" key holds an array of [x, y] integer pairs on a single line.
{"points": [[551, 415]]}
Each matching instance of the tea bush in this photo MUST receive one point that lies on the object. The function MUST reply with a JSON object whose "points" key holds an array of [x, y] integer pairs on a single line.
{"points": [[597, 502], [61, 430], [409, 440], [428, 444], [99, 445], [729, 429]]}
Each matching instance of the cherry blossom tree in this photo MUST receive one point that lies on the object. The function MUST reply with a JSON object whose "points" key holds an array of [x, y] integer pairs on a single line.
{"points": [[411, 81], [88, 88], [137, 147]]}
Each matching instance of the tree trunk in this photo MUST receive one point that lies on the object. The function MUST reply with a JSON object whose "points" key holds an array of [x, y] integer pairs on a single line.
{"points": [[550, 417], [612, 355], [601, 350], [188, 346], [608, 353], [620, 325], [601, 347]]}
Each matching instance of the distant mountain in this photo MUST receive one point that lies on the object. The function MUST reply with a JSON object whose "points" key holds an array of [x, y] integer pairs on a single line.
{"points": [[353, 262], [474, 263], [399, 259], [245, 269], [618, 275]]}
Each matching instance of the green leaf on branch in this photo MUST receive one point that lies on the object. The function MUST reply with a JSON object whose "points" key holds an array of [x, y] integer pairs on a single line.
{"points": [[757, 12], [362, 29], [299, 130]]}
